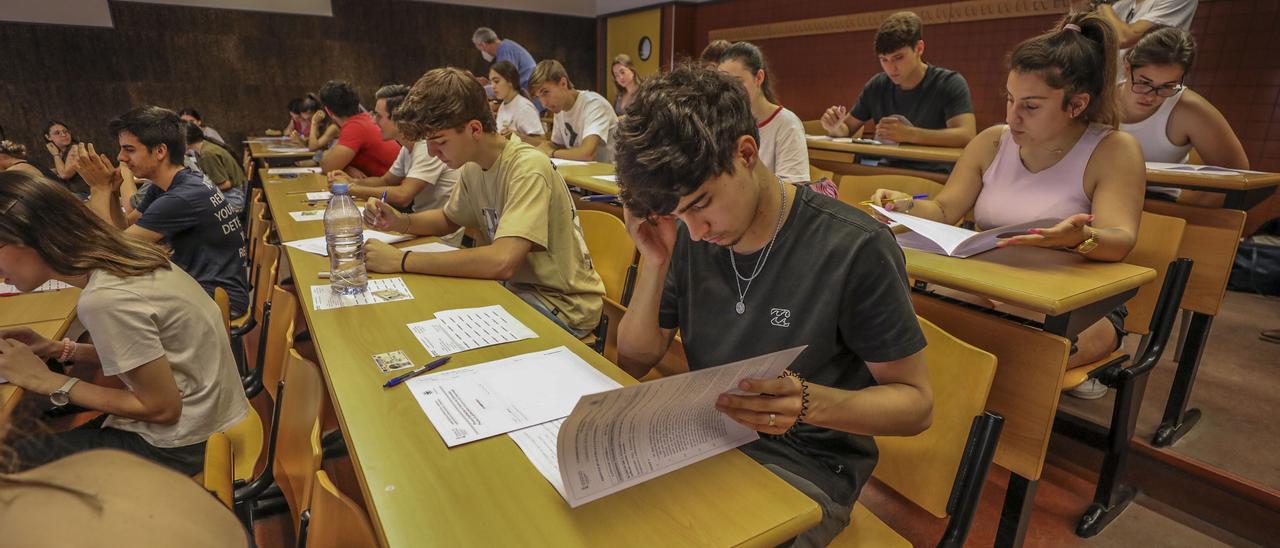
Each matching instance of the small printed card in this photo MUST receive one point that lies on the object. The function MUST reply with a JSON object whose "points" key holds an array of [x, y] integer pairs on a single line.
{"points": [[312, 215], [392, 361]]}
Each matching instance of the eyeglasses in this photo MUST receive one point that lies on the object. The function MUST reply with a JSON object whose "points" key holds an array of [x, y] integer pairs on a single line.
{"points": [[59, 132], [1162, 91]]}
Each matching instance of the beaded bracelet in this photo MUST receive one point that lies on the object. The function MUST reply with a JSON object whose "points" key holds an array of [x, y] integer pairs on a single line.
{"points": [[804, 397], [404, 258], [68, 350]]}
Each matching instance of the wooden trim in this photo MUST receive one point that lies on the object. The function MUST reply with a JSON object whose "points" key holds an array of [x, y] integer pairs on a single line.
{"points": [[950, 12]]}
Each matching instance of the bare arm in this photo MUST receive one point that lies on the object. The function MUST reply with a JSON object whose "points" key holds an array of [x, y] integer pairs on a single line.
{"points": [[959, 131], [497, 261], [337, 158], [642, 342], [584, 152], [1209, 132], [960, 193], [400, 190], [1127, 34]]}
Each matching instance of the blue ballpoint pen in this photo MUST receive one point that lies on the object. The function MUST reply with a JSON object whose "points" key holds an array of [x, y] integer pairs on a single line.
{"points": [[417, 372]]}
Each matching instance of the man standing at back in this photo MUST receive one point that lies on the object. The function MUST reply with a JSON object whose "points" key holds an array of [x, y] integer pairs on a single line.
{"points": [[494, 49]]}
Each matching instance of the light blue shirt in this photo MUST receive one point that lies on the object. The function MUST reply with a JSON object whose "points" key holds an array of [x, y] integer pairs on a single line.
{"points": [[514, 53]]}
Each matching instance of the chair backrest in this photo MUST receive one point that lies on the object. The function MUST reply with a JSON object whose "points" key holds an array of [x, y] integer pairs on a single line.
{"points": [[298, 449], [279, 337], [336, 520], [611, 248], [1159, 237], [246, 444], [923, 467], [219, 468], [814, 127], [265, 265], [224, 306], [854, 189]]}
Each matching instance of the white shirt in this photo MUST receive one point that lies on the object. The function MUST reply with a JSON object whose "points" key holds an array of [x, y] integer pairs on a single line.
{"points": [[519, 115], [591, 115], [783, 147], [1170, 13], [166, 314], [416, 162]]}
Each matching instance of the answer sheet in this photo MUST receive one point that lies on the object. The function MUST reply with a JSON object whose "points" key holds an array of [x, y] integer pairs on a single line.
{"points": [[318, 245], [620, 438], [292, 170], [288, 149], [431, 247], [309, 215], [561, 162], [378, 291], [484, 400], [453, 331]]}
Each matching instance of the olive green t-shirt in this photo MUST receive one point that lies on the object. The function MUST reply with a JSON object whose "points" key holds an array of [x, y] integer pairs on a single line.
{"points": [[523, 196], [220, 165]]}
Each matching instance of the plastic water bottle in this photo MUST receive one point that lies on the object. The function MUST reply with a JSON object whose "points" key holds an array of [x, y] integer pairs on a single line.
{"points": [[344, 236]]}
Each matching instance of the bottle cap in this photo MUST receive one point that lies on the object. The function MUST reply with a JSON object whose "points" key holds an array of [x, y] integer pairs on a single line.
{"points": [[338, 188]]}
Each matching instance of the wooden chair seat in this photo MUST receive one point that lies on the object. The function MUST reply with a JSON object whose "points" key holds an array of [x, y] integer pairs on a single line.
{"points": [[1077, 376], [866, 529]]}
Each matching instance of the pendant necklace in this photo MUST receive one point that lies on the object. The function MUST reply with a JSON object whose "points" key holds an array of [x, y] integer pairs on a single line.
{"points": [[738, 278]]}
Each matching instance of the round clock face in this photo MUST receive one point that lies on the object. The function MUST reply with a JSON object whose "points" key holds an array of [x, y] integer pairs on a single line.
{"points": [[646, 48]]}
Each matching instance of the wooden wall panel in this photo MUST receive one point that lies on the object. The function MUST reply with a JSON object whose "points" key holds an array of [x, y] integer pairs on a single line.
{"points": [[239, 69]]}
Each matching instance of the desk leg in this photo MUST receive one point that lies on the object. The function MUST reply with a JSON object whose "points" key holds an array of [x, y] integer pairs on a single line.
{"points": [[1178, 420], [1016, 514], [1112, 496]]}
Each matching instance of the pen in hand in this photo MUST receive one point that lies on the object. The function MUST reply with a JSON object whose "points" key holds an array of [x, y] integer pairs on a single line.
{"points": [[416, 372]]}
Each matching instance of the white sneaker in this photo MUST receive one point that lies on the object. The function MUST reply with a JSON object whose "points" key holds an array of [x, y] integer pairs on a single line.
{"points": [[1091, 389]]}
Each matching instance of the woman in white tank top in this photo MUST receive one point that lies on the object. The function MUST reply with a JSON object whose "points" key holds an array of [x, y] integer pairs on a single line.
{"points": [[1057, 157], [1169, 119]]}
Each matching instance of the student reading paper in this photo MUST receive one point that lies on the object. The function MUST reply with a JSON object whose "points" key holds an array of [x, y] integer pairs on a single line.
{"points": [[1058, 157], [745, 265]]}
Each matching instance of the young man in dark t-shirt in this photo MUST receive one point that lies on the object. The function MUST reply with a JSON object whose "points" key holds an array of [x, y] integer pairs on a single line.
{"points": [[181, 209], [933, 102], [755, 266]]}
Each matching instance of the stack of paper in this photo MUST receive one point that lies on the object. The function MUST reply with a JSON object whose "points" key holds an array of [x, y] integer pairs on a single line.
{"points": [[489, 399], [318, 245], [453, 331], [561, 162], [288, 149], [627, 436], [51, 285], [378, 291]]}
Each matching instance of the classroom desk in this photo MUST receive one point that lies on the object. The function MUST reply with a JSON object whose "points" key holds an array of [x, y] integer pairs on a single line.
{"points": [[1072, 292], [1210, 239], [486, 493], [845, 158], [49, 314], [584, 177], [261, 151]]}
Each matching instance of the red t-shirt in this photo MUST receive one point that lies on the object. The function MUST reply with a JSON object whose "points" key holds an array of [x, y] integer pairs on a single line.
{"points": [[373, 155]]}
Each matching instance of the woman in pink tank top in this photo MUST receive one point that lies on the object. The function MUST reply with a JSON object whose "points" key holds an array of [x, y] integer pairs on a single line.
{"points": [[1058, 156]]}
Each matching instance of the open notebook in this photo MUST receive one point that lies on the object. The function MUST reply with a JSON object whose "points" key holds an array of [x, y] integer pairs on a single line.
{"points": [[953, 241]]}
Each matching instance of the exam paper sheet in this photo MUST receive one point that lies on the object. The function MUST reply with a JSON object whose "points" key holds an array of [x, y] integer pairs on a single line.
{"points": [[488, 399], [323, 297], [320, 247], [620, 438], [453, 331]]}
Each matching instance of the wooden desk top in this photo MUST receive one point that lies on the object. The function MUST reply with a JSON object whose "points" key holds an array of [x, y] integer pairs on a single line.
{"points": [[1044, 280], [262, 150], [585, 177], [1243, 181], [59, 307], [906, 152], [486, 493]]}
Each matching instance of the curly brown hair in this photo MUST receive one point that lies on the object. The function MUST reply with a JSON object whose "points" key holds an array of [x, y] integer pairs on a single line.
{"points": [[443, 98]]}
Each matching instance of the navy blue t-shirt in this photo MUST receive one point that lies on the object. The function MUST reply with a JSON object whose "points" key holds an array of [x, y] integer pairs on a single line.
{"points": [[203, 231]]}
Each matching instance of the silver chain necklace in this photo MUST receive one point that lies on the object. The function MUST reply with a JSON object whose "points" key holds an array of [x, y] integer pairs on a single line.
{"points": [[738, 278]]}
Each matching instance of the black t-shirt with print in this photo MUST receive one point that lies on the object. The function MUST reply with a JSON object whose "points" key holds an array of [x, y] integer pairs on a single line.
{"points": [[204, 232], [834, 280]]}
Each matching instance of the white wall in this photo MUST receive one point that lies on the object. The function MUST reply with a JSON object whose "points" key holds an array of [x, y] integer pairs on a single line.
{"points": [[581, 8], [298, 7]]}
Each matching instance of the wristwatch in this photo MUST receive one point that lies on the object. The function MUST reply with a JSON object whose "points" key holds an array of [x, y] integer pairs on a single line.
{"points": [[62, 396], [1089, 244]]}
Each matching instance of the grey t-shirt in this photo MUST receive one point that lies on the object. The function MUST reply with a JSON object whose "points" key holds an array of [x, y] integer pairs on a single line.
{"points": [[834, 280], [942, 94]]}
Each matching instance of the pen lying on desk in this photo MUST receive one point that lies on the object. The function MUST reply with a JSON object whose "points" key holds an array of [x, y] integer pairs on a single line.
{"points": [[600, 198], [416, 372]]}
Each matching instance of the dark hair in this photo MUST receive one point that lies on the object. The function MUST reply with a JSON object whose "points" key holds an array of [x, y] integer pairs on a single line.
{"points": [[193, 132], [751, 57], [72, 240], [49, 127], [188, 111], [1163, 46], [681, 129], [393, 93], [295, 105], [444, 98], [714, 51], [310, 104], [1075, 61], [510, 73], [900, 30], [340, 98], [153, 126]]}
